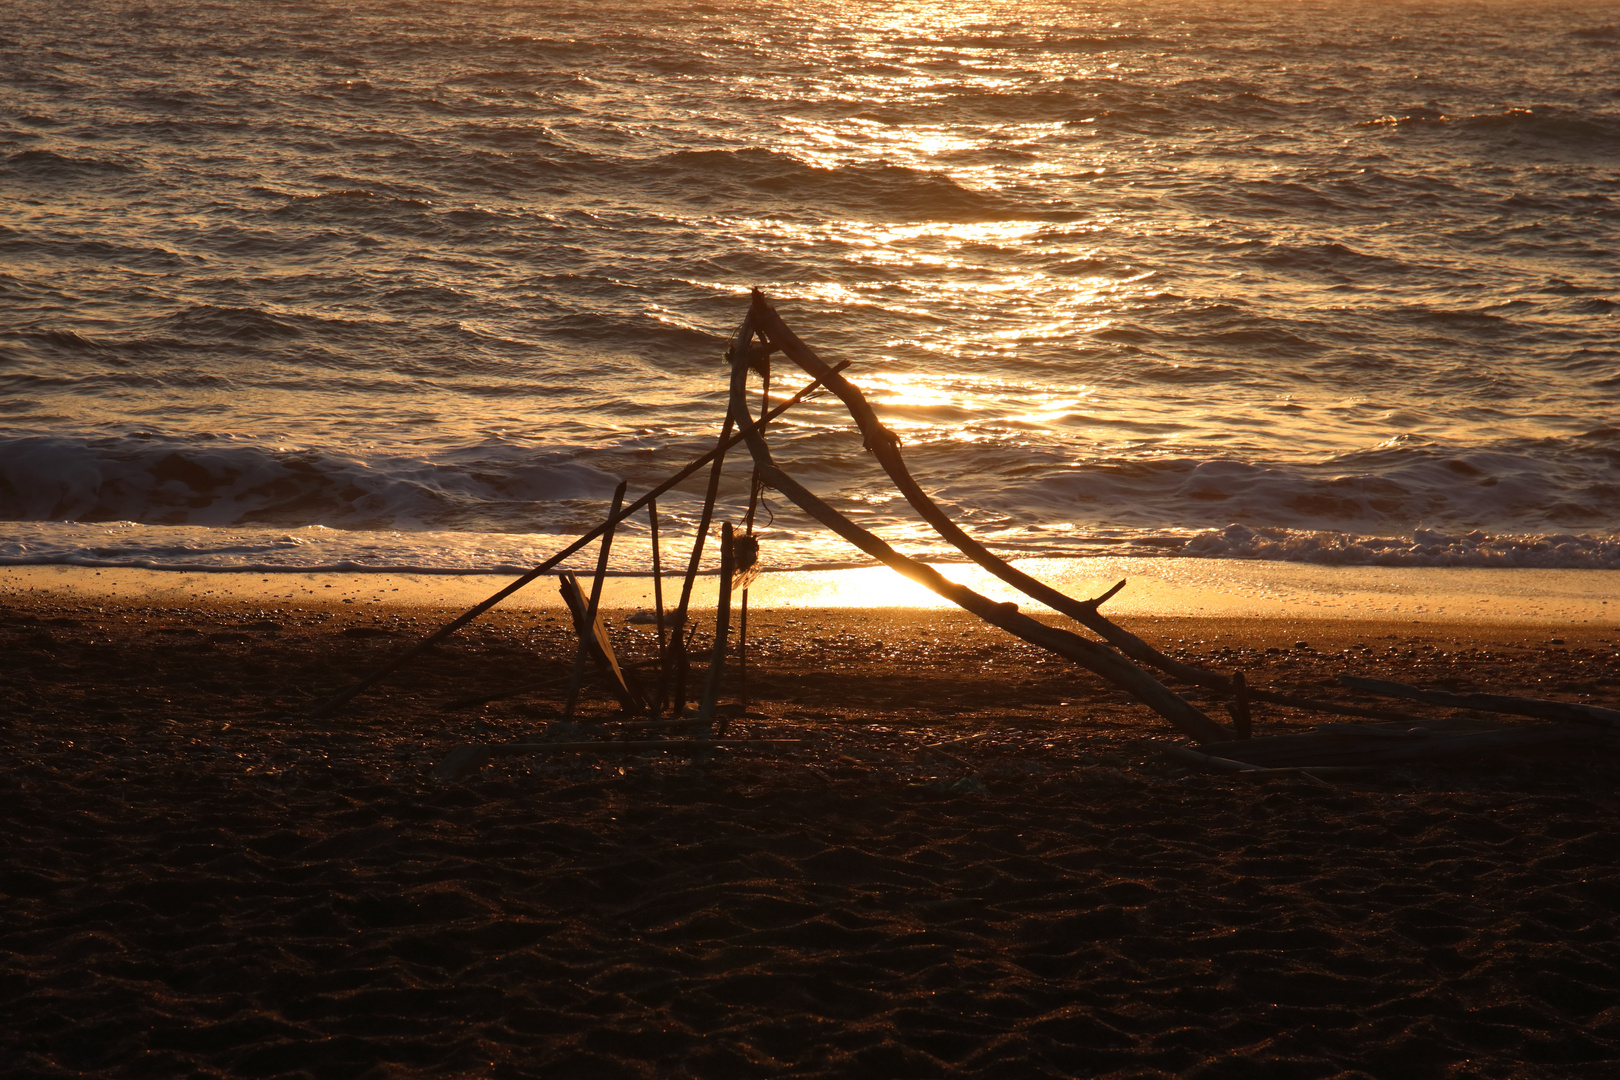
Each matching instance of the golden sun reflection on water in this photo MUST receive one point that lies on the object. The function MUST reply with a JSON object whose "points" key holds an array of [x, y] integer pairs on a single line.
{"points": [[921, 90], [926, 268], [933, 405]]}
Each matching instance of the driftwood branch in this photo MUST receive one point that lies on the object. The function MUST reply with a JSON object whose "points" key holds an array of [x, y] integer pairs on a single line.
{"points": [[722, 629], [885, 446], [1100, 659], [1393, 716], [1213, 763], [657, 704], [679, 661], [1242, 720], [1098, 601], [348, 693], [1366, 744], [593, 636], [595, 645], [1539, 708]]}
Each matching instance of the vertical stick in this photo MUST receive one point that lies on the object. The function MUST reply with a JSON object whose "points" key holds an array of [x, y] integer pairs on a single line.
{"points": [[658, 607], [1242, 721], [577, 679], [347, 694], [678, 704], [596, 599], [742, 651], [722, 626], [607, 546], [753, 504]]}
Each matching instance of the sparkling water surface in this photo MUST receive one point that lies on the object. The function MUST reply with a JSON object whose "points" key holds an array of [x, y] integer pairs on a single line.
{"points": [[415, 284]]}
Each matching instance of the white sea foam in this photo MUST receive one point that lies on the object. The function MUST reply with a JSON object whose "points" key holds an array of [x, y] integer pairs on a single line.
{"points": [[1424, 547], [316, 549]]}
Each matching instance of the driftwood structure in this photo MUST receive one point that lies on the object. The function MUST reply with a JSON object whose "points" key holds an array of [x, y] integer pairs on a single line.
{"points": [[1119, 657]]}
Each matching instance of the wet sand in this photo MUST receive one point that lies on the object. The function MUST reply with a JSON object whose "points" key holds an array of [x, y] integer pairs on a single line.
{"points": [[197, 880], [1209, 588]]}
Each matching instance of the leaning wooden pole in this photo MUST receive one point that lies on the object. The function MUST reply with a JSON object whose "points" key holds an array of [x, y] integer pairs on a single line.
{"points": [[764, 368], [1100, 659], [354, 689], [722, 630], [1539, 708], [658, 608], [679, 660], [587, 628], [885, 446]]}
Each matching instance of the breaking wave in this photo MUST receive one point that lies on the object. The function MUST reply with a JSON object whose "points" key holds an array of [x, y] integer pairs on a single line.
{"points": [[225, 482]]}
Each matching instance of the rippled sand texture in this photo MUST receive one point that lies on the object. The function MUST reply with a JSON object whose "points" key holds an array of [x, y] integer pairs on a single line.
{"points": [[1125, 269], [193, 881]]}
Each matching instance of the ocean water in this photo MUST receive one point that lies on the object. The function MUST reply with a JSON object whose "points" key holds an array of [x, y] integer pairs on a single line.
{"points": [[412, 285]]}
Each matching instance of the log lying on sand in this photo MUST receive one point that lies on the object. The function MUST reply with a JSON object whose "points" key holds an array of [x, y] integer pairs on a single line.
{"points": [[1539, 708], [1371, 744], [1100, 659], [1212, 763]]}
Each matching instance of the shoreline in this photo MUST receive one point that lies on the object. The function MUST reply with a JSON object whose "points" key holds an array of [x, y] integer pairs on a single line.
{"points": [[1585, 600]]}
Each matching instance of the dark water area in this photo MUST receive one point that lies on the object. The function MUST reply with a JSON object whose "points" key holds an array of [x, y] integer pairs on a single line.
{"points": [[414, 284]]}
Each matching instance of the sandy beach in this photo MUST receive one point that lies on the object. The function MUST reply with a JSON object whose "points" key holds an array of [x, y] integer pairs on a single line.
{"points": [[324, 321], [976, 863]]}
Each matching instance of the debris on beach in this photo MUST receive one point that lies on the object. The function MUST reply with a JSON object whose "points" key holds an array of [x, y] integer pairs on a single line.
{"points": [[688, 708]]}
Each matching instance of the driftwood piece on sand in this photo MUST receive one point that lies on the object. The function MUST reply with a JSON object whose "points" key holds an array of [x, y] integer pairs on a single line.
{"points": [[593, 639], [1539, 708], [722, 628], [1118, 670], [1393, 716], [382, 671], [595, 644], [1368, 744], [1242, 719], [1217, 764], [657, 703], [679, 662]]}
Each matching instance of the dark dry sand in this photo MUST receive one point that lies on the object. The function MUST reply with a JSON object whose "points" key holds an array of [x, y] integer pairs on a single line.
{"points": [[197, 882]]}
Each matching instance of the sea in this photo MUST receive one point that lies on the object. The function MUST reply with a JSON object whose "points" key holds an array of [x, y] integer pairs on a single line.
{"points": [[411, 286]]}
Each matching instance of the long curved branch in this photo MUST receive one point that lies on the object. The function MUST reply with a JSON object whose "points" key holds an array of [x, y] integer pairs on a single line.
{"points": [[885, 445], [1098, 658]]}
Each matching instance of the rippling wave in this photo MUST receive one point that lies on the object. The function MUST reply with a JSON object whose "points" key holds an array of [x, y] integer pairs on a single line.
{"points": [[1321, 282]]}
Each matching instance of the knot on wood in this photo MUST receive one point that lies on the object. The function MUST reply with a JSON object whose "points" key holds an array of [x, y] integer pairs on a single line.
{"points": [[884, 435]]}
